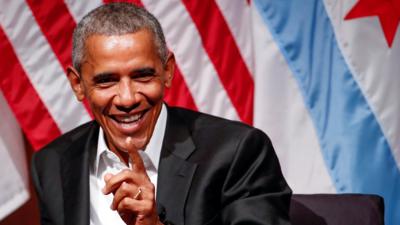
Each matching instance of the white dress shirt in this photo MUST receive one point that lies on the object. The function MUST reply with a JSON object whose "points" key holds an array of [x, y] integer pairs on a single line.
{"points": [[107, 162]]}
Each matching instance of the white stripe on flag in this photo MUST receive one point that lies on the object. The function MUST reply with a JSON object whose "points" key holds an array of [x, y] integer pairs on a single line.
{"points": [[78, 9], [375, 68], [42, 67], [13, 172], [197, 69], [281, 113]]}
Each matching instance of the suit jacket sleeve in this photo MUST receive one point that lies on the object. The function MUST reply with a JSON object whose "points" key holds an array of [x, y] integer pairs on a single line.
{"points": [[48, 189], [254, 191], [44, 216]]}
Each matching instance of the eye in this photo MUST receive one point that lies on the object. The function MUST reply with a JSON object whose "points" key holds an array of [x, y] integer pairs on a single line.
{"points": [[104, 80], [144, 75]]}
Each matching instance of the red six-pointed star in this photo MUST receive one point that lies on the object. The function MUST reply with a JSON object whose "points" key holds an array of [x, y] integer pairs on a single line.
{"points": [[388, 12]]}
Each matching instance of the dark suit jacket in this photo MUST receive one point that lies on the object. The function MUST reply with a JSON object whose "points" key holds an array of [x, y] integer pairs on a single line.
{"points": [[212, 171]]}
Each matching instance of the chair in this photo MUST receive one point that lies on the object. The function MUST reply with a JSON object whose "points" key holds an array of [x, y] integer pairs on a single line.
{"points": [[337, 209]]}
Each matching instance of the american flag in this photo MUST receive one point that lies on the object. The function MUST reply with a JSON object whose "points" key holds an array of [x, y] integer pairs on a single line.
{"points": [[320, 77]]}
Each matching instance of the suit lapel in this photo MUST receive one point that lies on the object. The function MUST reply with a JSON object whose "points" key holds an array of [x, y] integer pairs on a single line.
{"points": [[175, 173], [75, 177]]}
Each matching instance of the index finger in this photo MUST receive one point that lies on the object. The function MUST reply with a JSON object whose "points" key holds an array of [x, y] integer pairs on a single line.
{"points": [[133, 153]]}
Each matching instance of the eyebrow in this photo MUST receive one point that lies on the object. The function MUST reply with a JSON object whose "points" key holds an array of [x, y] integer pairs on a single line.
{"points": [[145, 70], [106, 75], [101, 76]]}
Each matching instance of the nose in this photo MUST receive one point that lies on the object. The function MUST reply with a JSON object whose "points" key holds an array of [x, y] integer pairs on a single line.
{"points": [[126, 99]]}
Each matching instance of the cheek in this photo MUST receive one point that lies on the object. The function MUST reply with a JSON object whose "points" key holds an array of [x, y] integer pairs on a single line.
{"points": [[99, 100], [154, 91]]}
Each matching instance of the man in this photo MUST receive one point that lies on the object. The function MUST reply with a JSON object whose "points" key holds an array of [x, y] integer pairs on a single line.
{"points": [[140, 161]]}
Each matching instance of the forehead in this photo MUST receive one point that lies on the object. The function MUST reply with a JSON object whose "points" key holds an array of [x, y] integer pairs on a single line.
{"points": [[120, 54], [110, 45]]}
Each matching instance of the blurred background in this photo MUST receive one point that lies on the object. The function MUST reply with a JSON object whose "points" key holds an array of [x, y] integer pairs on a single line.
{"points": [[320, 77]]}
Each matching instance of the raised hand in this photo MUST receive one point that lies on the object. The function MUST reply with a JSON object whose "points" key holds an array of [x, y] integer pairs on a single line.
{"points": [[134, 194]]}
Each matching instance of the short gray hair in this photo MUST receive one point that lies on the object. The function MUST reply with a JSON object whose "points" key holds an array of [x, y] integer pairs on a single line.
{"points": [[116, 18]]}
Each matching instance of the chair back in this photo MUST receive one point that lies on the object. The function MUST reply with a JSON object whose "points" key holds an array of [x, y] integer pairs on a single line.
{"points": [[337, 209]]}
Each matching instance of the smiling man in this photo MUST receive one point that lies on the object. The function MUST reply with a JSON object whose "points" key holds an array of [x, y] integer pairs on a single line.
{"points": [[140, 161], [123, 79]]}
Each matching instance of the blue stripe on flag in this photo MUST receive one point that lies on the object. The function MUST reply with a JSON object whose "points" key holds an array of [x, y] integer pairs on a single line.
{"points": [[354, 147]]}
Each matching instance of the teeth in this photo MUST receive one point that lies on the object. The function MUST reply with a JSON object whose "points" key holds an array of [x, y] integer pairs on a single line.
{"points": [[128, 119]]}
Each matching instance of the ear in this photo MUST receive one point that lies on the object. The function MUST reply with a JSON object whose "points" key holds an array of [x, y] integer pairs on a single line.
{"points": [[76, 82], [169, 69]]}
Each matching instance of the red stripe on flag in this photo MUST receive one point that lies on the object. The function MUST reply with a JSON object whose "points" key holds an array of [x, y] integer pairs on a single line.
{"points": [[31, 113], [57, 25], [224, 53], [179, 94]]}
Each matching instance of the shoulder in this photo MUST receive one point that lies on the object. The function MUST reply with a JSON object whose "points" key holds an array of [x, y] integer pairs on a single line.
{"points": [[208, 125], [199, 120], [221, 140], [62, 143]]}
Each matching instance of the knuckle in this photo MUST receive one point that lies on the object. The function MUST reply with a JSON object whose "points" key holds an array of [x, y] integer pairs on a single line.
{"points": [[148, 206], [125, 172], [124, 187], [150, 186], [151, 196], [124, 203]]}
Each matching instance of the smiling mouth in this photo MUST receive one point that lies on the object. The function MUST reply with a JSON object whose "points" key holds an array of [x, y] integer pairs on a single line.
{"points": [[128, 118], [128, 121]]}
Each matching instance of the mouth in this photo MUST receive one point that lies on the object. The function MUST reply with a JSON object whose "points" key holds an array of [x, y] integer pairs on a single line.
{"points": [[128, 123]]}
